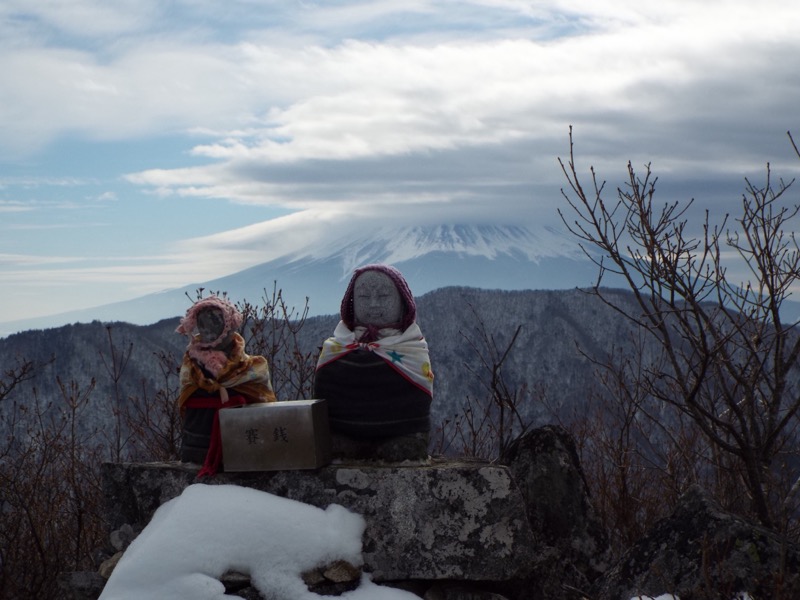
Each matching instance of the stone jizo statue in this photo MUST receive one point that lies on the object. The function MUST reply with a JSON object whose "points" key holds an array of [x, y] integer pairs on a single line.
{"points": [[211, 325], [375, 370], [215, 372]]}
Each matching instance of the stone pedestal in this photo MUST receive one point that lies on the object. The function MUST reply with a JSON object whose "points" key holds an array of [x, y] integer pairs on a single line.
{"points": [[397, 449]]}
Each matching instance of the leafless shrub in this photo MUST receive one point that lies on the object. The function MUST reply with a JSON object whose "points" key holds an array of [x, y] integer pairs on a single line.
{"points": [[727, 361], [23, 370], [50, 493], [485, 426], [153, 418], [114, 361], [272, 330]]}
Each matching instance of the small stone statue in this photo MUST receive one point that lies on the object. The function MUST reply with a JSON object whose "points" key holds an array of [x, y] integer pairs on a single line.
{"points": [[375, 371], [215, 373]]}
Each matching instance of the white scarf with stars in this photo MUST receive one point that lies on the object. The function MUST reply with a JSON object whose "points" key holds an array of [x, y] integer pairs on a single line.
{"points": [[405, 351]]}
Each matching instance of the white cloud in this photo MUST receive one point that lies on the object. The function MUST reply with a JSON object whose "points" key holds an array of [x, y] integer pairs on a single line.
{"points": [[370, 100], [27, 260], [398, 110], [359, 98], [13, 207], [22, 21]]}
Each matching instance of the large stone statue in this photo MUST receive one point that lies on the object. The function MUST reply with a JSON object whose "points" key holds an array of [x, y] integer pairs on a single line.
{"points": [[375, 370], [215, 372]]}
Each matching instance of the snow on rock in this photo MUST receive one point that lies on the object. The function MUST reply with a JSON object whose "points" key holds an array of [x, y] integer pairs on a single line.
{"points": [[207, 530]]}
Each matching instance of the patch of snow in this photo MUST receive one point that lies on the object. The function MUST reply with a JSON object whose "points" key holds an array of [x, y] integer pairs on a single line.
{"points": [[195, 538]]}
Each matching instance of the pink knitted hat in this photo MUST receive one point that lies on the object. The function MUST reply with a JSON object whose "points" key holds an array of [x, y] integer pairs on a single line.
{"points": [[233, 318], [410, 308]]}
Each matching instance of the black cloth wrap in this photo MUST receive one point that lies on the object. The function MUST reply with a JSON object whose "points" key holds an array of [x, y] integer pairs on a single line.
{"points": [[368, 398], [196, 432]]}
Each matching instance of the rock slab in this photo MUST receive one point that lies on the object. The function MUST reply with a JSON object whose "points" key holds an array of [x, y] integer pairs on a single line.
{"points": [[440, 520], [571, 546], [701, 551]]}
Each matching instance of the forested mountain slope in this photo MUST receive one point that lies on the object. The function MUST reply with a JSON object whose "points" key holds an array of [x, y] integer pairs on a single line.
{"points": [[463, 327]]}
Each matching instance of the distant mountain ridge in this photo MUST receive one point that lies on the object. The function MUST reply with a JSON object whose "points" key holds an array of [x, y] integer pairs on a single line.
{"points": [[486, 256]]}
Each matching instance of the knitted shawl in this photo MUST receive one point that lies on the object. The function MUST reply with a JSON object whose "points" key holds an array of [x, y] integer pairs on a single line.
{"points": [[405, 351], [240, 374]]}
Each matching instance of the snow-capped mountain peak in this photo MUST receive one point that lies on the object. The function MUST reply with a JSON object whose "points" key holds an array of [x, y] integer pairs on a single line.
{"points": [[400, 244], [315, 263]]}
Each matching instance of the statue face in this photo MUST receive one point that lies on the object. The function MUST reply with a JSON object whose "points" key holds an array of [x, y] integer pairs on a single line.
{"points": [[376, 300], [210, 324]]}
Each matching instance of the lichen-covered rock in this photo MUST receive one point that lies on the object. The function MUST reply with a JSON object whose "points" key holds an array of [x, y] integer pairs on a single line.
{"points": [[122, 537], [80, 585], [442, 520], [571, 547], [236, 582], [333, 579], [701, 551], [107, 566]]}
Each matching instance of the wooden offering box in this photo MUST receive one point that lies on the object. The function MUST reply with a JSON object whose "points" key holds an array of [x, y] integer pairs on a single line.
{"points": [[278, 436]]}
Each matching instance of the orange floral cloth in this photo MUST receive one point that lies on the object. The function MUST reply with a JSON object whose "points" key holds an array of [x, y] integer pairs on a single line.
{"points": [[241, 374]]}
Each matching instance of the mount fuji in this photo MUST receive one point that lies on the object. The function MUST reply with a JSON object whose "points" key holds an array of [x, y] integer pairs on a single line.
{"points": [[487, 256]]}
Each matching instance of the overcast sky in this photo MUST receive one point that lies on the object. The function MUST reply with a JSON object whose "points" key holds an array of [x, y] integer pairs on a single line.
{"points": [[138, 137]]}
